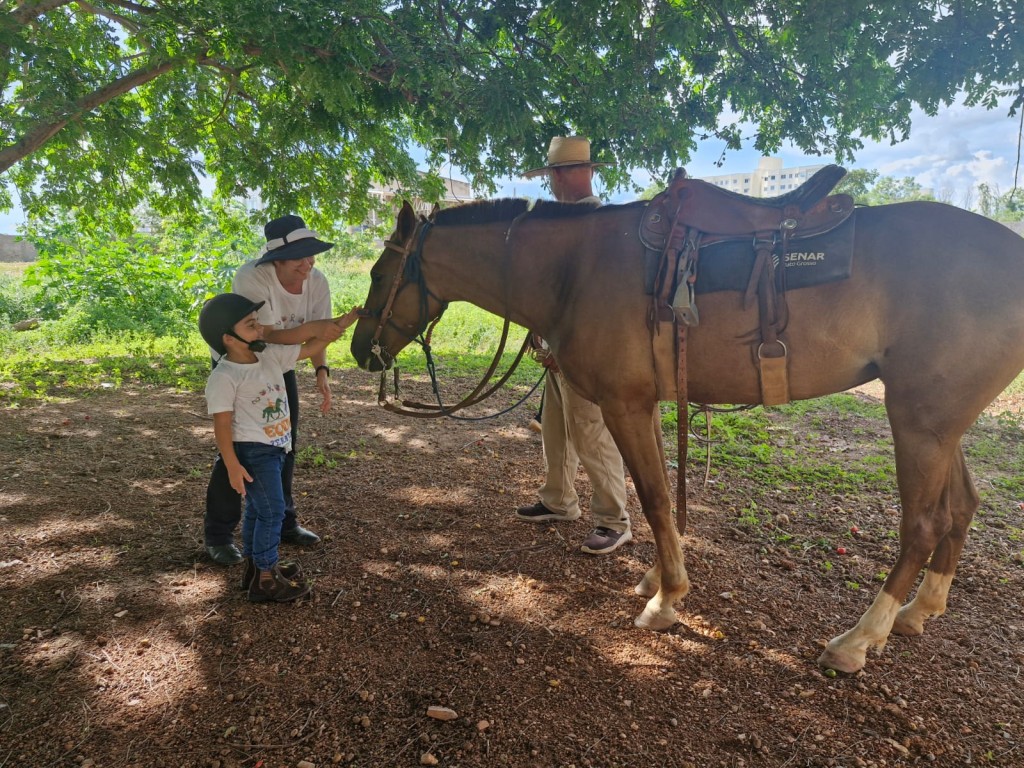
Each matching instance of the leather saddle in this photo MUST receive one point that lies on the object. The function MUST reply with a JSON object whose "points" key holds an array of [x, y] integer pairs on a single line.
{"points": [[720, 214], [692, 213]]}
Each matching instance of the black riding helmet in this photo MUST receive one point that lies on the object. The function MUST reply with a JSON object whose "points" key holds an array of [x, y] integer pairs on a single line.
{"points": [[220, 314]]}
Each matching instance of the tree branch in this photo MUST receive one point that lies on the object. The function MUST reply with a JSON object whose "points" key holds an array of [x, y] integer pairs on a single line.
{"points": [[133, 7], [42, 133], [122, 20], [31, 9]]}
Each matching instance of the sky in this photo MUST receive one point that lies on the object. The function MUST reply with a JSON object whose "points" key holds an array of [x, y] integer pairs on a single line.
{"points": [[952, 152]]}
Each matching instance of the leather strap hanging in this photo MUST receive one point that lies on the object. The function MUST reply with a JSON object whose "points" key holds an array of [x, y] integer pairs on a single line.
{"points": [[682, 426]]}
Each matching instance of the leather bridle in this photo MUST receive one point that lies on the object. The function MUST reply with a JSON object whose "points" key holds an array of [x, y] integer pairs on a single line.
{"points": [[410, 262], [410, 272]]}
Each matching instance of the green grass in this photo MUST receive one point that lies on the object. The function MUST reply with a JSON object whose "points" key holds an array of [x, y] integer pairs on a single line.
{"points": [[761, 445], [39, 372]]}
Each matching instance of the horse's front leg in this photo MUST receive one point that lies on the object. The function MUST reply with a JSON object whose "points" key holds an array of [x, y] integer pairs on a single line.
{"points": [[637, 433]]}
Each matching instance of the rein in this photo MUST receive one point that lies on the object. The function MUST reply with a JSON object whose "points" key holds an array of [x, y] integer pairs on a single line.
{"points": [[410, 272]]}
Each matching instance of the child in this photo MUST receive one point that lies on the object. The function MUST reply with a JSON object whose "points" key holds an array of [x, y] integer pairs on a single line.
{"points": [[245, 394]]}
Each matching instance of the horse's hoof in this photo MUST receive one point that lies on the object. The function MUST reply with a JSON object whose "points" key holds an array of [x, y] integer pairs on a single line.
{"points": [[842, 660], [658, 621]]}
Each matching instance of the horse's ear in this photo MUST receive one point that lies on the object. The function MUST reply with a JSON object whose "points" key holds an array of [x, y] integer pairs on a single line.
{"points": [[434, 211], [406, 221]]}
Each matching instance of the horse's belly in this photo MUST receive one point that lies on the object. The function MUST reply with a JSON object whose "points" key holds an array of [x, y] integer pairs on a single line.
{"points": [[824, 355]]}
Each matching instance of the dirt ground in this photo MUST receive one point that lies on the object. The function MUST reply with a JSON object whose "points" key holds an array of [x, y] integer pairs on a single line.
{"points": [[122, 645]]}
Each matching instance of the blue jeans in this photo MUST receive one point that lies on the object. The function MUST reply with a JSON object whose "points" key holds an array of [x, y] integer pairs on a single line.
{"points": [[264, 502], [223, 504]]}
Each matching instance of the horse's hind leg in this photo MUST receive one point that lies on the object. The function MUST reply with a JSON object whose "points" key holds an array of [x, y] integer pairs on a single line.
{"points": [[938, 503], [962, 500]]}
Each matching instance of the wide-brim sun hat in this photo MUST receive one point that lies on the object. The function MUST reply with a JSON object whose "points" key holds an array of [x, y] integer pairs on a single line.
{"points": [[288, 239], [565, 151], [221, 314]]}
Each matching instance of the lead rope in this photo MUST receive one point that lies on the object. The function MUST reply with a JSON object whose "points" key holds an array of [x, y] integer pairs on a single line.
{"points": [[430, 411]]}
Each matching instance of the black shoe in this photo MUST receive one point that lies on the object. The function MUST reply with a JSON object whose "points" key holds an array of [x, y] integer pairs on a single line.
{"points": [[300, 537], [289, 570], [224, 554]]}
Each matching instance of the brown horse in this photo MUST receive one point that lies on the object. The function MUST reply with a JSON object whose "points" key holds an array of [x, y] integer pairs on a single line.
{"points": [[933, 308]]}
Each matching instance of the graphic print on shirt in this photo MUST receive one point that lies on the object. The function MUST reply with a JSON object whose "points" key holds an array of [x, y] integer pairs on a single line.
{"points": [[278, 426], [274, 410], [291, 320]]}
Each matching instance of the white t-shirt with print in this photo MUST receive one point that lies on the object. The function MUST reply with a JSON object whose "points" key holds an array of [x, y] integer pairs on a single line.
{"points": [[283, 310], [255, 394]]}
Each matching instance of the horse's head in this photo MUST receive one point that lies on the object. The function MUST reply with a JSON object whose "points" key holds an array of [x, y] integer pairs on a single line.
{"points": [[399, 305]]}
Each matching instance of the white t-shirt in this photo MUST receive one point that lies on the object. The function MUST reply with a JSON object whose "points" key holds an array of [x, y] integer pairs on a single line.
{"points": [[283, 310], [255, 394]]}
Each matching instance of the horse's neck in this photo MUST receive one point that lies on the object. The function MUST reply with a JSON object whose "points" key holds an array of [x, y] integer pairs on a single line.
{"points": [[527, 274], [479, 265]]}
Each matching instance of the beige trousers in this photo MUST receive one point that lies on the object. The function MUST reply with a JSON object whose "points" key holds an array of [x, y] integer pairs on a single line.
{"points": [[574, 433]]}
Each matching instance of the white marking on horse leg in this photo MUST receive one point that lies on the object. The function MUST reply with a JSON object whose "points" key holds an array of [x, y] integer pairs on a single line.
{"points": [[848, 652], [660, 612], [929, 601], [650, 583]]}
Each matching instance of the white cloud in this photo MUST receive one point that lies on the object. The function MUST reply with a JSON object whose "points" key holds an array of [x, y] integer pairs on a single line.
{"points": [[956, 149]]}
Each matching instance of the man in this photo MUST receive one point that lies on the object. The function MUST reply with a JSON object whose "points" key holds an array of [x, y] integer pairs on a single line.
{"points": [[297, 300], [572, 428]]}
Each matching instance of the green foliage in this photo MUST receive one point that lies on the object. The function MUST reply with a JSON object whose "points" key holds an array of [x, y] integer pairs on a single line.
{"points": [[1001, 207], [314, 456], [91, 279], [749, 517], [870, 188], [306, 103], [17, 300], [347, 268], [75, 349]]}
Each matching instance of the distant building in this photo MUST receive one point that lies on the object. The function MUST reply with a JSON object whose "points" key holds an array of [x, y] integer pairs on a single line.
{"points": [[456, 192], [12, 249], [769, 180]]}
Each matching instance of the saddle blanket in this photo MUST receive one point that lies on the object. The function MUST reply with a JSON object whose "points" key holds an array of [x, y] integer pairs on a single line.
{"points": [[824, 258]]}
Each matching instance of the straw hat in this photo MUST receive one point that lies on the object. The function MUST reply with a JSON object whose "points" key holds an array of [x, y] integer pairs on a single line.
{"points": [[565, 151]]}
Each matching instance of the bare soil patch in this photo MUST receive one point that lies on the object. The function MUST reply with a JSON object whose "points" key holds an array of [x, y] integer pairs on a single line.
{"points": [[121, 645]]}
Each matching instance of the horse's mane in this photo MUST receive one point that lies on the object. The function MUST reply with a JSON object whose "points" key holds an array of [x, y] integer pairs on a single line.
{"points": [[506, 209], [482, 212], [549, 209]]}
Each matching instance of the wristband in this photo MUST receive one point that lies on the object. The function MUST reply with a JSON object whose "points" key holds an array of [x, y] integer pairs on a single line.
{"points": [[322, 368]]}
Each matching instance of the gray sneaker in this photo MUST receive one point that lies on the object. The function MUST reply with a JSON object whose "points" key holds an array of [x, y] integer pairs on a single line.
{"points": [[603, 540], [538, 513]]}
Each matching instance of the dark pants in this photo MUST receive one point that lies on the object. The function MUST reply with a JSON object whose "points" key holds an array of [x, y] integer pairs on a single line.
{"points": [[224, 504]]}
